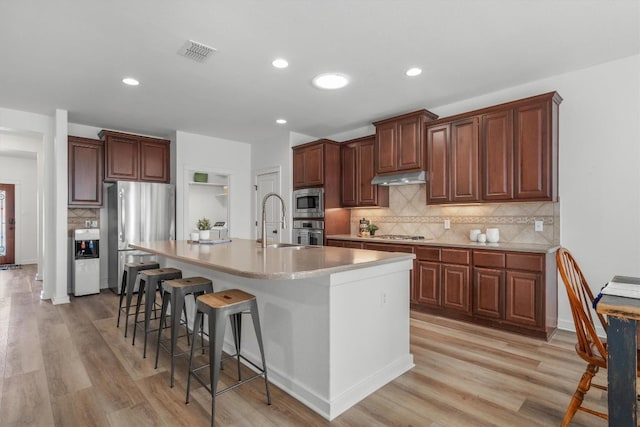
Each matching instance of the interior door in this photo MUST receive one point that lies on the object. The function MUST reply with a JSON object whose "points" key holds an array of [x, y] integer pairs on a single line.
{"points": [[7, 224], [268, 183]]}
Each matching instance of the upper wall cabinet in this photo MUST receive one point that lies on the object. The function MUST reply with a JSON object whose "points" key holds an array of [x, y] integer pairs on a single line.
{"points": [[317, 164], [135, 158], [516, 145], [357, 157], [85, 171], [452, 162], [399, 142]]}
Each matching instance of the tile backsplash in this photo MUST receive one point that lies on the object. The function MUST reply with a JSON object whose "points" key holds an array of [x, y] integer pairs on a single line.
{"points": [[408, 213], [76, 218]]}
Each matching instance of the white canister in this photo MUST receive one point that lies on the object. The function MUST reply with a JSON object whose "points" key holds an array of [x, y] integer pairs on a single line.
{"points": [[473, 235], [493, 235], [195, 236], [482, 238]]}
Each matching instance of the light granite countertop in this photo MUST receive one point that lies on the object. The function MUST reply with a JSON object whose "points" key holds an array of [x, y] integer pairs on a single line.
{"points": [[500, 246], [245, 258]]}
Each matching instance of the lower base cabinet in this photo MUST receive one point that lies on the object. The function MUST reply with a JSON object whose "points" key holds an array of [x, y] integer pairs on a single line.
{"points": [[514, 291]]}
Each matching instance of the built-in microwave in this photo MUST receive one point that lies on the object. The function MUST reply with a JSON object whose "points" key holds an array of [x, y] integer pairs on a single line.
{"points": [[308, 203]]}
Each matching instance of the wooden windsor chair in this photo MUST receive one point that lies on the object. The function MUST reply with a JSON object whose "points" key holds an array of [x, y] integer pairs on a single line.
{"points": [[589, 346]]}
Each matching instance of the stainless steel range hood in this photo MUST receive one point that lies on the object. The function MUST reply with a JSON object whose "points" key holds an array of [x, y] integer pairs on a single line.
{"points": [[400, 178]]}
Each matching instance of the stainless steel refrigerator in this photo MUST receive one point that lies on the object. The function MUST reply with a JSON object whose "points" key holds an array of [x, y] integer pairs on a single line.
{"points": [[137, 212]]}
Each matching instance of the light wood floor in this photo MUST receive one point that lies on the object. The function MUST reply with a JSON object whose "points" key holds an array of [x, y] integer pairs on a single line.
{"points": [[68, 365]]}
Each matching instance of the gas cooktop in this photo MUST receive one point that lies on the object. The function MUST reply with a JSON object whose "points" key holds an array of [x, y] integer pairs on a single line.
{"points": [[397, 237]]}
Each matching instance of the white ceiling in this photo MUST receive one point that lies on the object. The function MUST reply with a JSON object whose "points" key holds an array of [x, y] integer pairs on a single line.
{"points": [[72, 54]]}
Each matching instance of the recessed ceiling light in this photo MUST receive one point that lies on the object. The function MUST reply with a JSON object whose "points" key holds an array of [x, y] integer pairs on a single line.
{"points": [[130, 81], [281, 121], [330, 81], [280, 63], [412, 72]]}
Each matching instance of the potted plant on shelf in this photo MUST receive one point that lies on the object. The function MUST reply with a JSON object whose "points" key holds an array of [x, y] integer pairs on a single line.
{"points": [[204, 225], [372, 229]]}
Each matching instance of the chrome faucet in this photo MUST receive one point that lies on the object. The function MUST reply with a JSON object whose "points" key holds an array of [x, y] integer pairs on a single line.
{"points": [[264, 216]]}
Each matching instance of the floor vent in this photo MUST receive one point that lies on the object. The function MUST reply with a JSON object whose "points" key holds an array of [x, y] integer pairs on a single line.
{"points": [[197, 51]]}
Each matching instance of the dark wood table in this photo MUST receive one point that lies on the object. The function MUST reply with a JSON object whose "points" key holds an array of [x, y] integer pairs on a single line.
{"points": [[623, 314]]}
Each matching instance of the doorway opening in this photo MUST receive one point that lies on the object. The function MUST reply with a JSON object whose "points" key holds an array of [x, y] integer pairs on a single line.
{"points": [[268, 181], [7, 225]]}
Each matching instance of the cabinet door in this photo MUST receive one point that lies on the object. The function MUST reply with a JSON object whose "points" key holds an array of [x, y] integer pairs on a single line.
{"points": [[349, 161], [438, 163], [455, 288], [121, 158], [497, 155], [298, 168], [314, 165], [367, 193], [523, 298], [532, 162], [488, 292], [464, 160], [85, 171], [386, 149], [409, 145], [427, 290], [154, 161]]}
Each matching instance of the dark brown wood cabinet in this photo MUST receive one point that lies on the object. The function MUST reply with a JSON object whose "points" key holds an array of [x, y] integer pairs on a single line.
{"points": [[85, 172], [442, 278], [154, 161], [514, 291], [497, 155], [512, 155], [135, 158], [316, 164], [308, 165], [452, 162], [399, 142], [534, 144], [357, 160]]}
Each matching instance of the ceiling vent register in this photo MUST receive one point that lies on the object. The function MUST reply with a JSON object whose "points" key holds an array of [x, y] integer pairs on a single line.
{"points": [[197, 51]]}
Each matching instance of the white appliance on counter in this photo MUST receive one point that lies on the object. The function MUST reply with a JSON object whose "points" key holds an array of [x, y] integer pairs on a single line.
{"points": [[85, 273], [137, 212]]}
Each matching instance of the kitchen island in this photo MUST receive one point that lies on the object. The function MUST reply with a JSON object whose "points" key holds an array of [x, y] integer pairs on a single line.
{"points": [[335, 321]]}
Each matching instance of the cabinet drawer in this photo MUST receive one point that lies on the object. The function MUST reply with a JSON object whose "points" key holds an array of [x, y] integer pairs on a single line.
{"points": [[388, 247], [353, 245], [488, 259], [455, 256], [531, 262], [427, 254]]}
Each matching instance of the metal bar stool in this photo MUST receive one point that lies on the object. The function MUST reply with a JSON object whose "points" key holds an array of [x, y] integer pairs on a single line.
{"points": [[218, 306], [150, 282], [174, 292], [129, 276]]}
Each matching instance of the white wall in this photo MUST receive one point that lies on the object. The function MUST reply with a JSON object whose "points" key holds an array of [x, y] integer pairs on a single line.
{"points": [[277, 155], [215, 156], [41, 127], [23, 173], [599, 174]]}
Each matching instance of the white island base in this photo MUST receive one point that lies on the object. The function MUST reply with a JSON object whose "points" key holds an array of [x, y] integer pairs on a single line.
{"points": [[330, 340]]}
